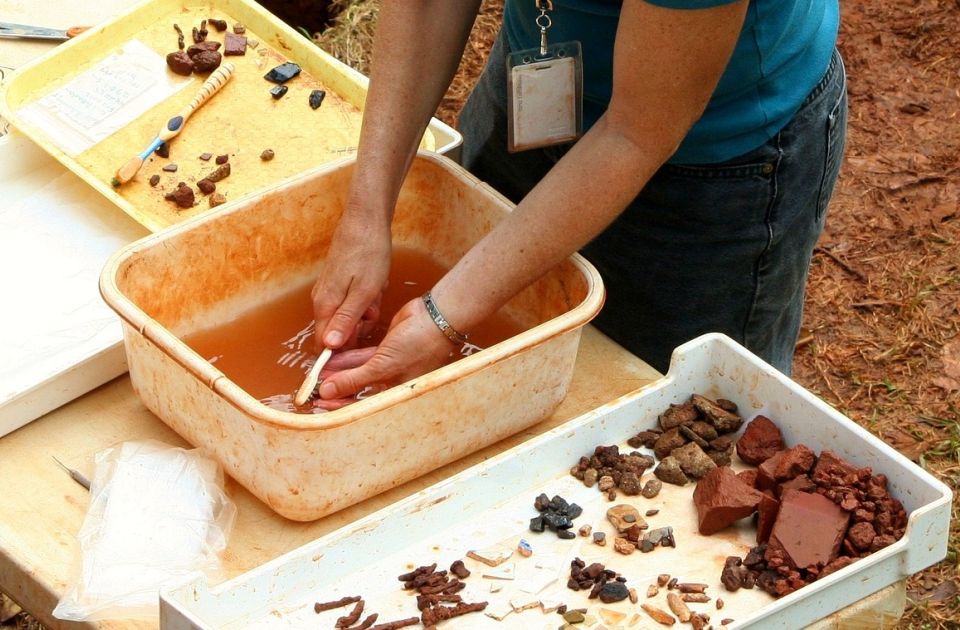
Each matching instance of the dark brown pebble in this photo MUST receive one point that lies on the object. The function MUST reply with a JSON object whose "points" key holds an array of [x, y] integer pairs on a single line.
{"points": [[726, 621], [206, 186], [652, 512], [170, 168], [267, 155], [220, 25], [206, 156], [663, 579], [222, 159], [180, 63], [163, 150], [672, 583], [219, 173], [719, 603], [154, 180], [206, 61]]}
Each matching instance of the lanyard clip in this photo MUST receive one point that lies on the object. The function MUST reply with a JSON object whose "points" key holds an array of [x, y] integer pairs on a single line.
{"points": [[544, 22]]}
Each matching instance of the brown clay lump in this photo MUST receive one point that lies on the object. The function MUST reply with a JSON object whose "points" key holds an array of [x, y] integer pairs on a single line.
{"points": [[760, 441], [721, 499]]}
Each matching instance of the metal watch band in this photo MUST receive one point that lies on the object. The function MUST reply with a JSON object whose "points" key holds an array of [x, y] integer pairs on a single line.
{"points": [[449, 331]]}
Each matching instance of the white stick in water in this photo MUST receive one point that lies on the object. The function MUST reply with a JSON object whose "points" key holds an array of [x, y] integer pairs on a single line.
{"points": [[309, 383]]}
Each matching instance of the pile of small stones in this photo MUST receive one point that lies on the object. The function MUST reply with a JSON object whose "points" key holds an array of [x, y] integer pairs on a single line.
{"points": [[603, 583], [556, 514], [611, 470]]}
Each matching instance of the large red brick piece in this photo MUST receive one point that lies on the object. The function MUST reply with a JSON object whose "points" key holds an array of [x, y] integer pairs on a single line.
{"points": [[809, 529], [722, 498], [760, 441], [767, 516], [765, 473], [794, 462]]}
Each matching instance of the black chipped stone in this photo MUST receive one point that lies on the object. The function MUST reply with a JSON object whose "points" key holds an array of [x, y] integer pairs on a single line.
{"points": [[279, 91], [316, 98], [566, 534], [614, 592], [536, 524], [282, 73]]}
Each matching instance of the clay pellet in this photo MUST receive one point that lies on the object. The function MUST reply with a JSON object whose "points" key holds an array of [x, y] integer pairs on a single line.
{"points": [[343, 601], [369, 621], [719, 604], [396, 625]]}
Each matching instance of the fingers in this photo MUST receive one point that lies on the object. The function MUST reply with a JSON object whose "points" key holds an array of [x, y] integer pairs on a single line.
{"points": [[348, 382], [338, 312], [348, 359]]}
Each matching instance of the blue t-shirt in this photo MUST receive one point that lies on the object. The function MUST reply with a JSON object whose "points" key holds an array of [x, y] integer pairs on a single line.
{"points": [[783, 50]]}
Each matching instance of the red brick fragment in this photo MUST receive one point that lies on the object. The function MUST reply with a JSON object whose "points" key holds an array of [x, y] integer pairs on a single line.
{"points": [[721, 499], [760, 441], [765, 472], [767, 516], [830, 465], [794, 461], [808, 531], [800, 482], [748, 477]]}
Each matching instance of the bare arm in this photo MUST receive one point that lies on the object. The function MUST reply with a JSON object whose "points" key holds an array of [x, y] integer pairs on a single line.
{"points": [[667, 63], [416, 51]]}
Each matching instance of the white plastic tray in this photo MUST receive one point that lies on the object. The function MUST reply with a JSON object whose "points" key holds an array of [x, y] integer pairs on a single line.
{"points": [[491, 503], [58, 340]]}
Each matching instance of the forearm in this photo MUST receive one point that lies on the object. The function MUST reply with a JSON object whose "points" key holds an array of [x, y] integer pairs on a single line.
{"points": [[666, 65], [417, 48]]}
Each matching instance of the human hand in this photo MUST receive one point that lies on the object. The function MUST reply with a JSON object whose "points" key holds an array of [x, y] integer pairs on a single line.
{"points": [[413, 346], [347, 294]]}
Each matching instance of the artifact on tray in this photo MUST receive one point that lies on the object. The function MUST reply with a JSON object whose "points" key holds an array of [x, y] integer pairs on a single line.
{"points": [[182, 196], [602, 582], [234, 45], [266, 155], [282, 73], [316, 98], [278, 91], [760, 441], [220, 173], [180, 63], [436, 588], [220, 25], [206, 186], [154, 180], [216, 199], [180, 42], [721, 499], [556, 514], [206, 61]]}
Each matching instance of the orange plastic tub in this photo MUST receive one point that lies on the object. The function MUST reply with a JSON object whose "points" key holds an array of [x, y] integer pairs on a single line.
{"points": [[208, 270]]}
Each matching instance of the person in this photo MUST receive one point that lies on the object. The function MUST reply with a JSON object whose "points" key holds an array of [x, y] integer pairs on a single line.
{"points": [[714, 132]]}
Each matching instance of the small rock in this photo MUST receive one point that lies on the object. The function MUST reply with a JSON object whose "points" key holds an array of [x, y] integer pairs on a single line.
{"points": [[679, 607], [222, 159], [794, 461], [599, 538], [693, 461], [154, 180], [216, 199], [282, 73], [721, 458], [721, 419], [624, 546], [316, 98], [219, 173], [278, 91], [614, 592], [634, 597], [459, 569], [668, 471], [651, 488], [652, 512], [658, 614], [676, 415], [663, 579], [861, 535], [524, 548], [585, 530], [691, 435], [180, 63], [234, 45], [606, 483], [667, 442], [170, 168], [624, 516], [542, 502], [760, 441], [182, 196], [566, 534], [537, 525], [163, 150], [206, 61], [267, 155], [630, 484], [706, 431], [590, 477], [206, 186], [573, 616], [206, 156], [652, 590]]}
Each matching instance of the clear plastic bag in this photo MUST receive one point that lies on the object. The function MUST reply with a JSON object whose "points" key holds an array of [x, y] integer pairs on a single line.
{"points": [[157, 513]]}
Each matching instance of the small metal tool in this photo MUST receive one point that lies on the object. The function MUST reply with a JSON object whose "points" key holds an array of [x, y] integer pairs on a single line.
{"points": [[26, 31], [74, 474]]}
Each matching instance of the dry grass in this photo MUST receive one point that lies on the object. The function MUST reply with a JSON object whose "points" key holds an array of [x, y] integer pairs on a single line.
{"points": [[350, 37]]}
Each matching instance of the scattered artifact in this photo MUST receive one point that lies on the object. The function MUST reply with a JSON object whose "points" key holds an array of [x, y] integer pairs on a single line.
{"points": [[282, 73], [316, 98], [278, 91], [182, 196]]}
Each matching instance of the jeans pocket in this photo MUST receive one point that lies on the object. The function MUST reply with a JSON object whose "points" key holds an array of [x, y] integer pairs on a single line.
{"points": [[836, 132]]}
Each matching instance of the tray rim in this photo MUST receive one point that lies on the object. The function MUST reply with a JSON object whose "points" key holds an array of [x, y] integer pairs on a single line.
{"points": [[169, 594]]}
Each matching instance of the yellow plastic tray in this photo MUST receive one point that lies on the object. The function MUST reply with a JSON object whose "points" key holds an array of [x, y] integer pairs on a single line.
{"points": [[242, 120]]}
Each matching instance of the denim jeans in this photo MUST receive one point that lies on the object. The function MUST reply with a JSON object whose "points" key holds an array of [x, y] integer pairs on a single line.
{"points": [[720, 247]]}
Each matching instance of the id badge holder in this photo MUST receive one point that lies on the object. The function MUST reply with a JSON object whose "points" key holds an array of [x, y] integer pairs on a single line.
{"points": [[544, 93]]}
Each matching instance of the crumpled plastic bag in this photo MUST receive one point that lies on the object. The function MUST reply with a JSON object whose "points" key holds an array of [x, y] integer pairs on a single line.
{"points": [[157, 513]]}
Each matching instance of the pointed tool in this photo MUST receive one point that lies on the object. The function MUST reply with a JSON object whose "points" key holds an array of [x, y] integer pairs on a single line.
{"points": [[309, 383], [210, 87]]}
